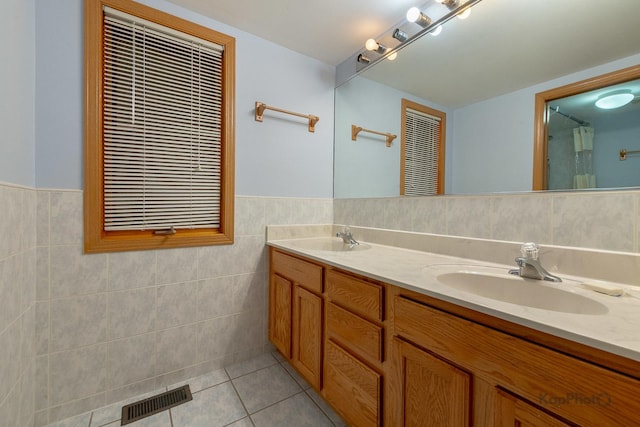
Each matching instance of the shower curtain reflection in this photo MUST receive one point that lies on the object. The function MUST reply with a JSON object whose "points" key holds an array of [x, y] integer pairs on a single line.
{"points": [[570, 152]]}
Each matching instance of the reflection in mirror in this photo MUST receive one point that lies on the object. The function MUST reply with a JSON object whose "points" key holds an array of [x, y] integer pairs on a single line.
{"points": [[484, 73], [581, 138]]}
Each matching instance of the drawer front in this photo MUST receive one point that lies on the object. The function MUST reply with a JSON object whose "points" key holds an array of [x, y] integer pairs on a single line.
{"points": [[352, 387], [357, 295], [301, 272], [355, 332]]}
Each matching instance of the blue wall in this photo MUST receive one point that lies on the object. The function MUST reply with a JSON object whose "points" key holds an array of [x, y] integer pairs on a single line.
{"points": [[278, 157]]}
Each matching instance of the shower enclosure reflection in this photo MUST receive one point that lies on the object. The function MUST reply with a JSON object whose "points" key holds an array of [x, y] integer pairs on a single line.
{"points": [[584, 141]]}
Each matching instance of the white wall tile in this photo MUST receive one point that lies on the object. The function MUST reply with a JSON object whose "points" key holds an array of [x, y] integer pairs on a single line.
{"points": [[11, 200], [66, 218], [10, 357], [42, 273], [131, 312], [43, 217], [77, 373], [176, 348], [131, 360], [429, 215], [177, 305], [249, 216], [130, 270], [176, 265], [10, 289], [469, 217], [74, 273], [215, 297], [521, 218], [78, 321], [604, 221]]}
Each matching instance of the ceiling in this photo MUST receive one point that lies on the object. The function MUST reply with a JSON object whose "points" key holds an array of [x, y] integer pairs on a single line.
{"points": [[505, 45], [328, 30]]}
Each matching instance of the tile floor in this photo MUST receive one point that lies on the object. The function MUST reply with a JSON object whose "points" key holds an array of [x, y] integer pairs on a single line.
{"points": [[261, 392]]}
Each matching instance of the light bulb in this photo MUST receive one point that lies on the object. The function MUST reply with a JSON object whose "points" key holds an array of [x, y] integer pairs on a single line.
{"points": [[393, 56], [436, 30], [464, 14], [371, 44], [413, 14]]}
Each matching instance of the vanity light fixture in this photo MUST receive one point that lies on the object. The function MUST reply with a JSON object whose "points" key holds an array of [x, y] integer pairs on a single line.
{"points": [[373, 45], [453, 4], [400, 35], [417, 17], [363, 59], [615, 99]]}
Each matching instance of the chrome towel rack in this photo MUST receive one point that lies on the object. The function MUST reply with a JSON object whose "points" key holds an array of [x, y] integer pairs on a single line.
{"points": [[355, 130], [261, 107]]}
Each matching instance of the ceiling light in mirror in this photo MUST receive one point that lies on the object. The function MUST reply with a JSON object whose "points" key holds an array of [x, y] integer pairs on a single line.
{"points": [[616, 99], [464, 14], [436, 31]]}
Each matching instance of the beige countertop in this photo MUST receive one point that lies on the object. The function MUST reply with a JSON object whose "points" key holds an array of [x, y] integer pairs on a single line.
{"points": [[617, 331]]}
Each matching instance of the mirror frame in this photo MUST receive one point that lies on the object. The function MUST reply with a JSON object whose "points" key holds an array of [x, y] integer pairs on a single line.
{"points": [[541, 119]]}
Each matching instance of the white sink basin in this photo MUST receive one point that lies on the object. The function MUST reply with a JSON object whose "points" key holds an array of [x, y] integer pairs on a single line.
{"points": [[328, 244], [498, 284]]}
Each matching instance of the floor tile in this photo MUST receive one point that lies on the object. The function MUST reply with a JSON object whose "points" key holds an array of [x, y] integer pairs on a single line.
{"points": [[215, 406], [210, 379], [296, 376], [161, 419], [110, 413], [297, 411], [265, 387], [81, 420], [324, 407], [245, 422], [279, 357], [251, 365]]}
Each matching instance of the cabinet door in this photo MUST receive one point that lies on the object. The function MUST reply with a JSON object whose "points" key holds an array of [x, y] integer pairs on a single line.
{"points": [[514, 412], [434, 393], [307, 335], [280, 310]]}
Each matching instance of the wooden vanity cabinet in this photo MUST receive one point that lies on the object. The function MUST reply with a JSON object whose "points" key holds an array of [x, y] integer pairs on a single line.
{"points": [[354, 347], [515, 382], [296, 313], [382, 355]]}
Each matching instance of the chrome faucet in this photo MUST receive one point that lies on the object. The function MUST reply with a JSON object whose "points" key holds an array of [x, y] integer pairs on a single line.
{"points": [[347, 237], [529, 265]]}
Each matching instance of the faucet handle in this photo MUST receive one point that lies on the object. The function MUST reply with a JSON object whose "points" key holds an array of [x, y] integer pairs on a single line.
{"points": [[530, 250]]}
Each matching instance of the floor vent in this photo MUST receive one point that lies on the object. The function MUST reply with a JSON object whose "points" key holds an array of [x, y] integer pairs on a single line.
{"points": [[158, 403]]}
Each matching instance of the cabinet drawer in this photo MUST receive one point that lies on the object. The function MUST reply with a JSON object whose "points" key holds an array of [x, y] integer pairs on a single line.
{"points": [[352, 387], [301, 272], [357, 295], [357, 333]]}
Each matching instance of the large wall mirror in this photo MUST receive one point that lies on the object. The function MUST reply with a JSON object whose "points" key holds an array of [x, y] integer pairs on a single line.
{"points": [[484, 74]]}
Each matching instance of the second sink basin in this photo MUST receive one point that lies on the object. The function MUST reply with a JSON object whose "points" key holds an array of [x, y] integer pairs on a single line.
{"points": [[498, 284], [328, 244]]}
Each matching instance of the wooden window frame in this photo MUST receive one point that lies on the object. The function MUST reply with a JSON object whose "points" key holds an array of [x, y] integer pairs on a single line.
{"points": [[95, 238], [441, 145], [541, 118]]}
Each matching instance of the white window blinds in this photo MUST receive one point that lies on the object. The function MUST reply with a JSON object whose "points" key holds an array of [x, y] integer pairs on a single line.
{"points": [[422, 144], [162, 127]]}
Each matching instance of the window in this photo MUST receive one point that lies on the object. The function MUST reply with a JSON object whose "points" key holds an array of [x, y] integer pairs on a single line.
{"points": [[159, 137], [422, 150]]}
